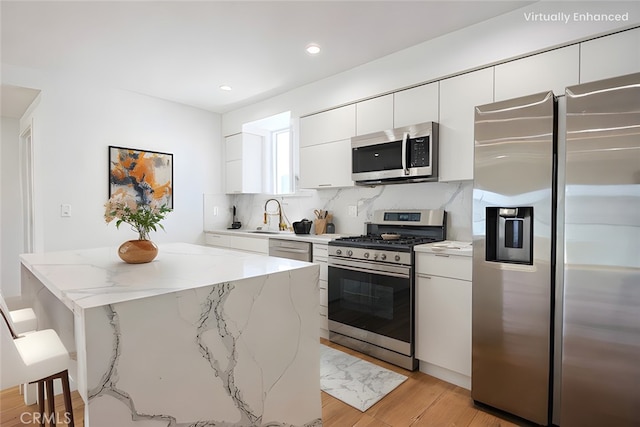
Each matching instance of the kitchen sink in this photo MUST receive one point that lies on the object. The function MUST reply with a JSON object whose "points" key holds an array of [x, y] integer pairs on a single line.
{"points": [[269, 232]]}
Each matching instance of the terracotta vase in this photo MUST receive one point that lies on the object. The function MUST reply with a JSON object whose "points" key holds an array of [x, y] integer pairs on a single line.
{"points": [[138, 251]]}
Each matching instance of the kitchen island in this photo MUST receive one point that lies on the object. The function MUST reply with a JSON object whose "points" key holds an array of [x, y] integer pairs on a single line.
{"points": [[200, 336]]}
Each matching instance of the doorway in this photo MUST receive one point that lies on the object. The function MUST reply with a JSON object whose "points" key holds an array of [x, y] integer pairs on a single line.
{"points": [[26, 184]]}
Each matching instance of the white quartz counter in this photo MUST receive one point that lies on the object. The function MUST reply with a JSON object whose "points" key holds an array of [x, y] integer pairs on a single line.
{"points": [[448, 247], [312, 238], [96, 277]]}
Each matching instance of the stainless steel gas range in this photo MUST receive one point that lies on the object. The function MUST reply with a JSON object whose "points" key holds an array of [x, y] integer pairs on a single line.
{"points": [[371, 284]]}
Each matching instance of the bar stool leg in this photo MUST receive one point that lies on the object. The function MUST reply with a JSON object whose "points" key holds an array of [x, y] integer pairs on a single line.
{"points": [[41, 402], [67, 398], [51, 402]]}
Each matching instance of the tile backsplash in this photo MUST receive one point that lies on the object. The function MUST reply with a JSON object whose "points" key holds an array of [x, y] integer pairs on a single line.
{"points": [[455, 198]]}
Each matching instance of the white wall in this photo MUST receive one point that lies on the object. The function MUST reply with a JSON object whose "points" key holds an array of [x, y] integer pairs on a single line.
{"points": [[10, 206], [72, 127], [75, 129], [10, 201]]}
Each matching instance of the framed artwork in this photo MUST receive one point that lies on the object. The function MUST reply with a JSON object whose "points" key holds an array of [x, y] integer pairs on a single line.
{"points": [[145, 175]]}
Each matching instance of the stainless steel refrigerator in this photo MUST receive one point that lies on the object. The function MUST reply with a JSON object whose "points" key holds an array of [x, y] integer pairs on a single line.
{"points": [[556, 258]]}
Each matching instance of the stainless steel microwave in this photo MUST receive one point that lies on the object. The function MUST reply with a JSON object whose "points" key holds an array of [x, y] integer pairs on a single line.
{"points": [[406, 154]]}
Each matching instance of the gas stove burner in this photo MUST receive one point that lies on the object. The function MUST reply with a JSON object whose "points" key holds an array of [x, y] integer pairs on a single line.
{"points": [[408, 229], [376, 239]]}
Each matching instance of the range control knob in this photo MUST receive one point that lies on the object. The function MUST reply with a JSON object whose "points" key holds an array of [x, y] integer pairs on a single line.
{"points": [[375, 256], [383, 257], [349, 252], [338, 252], [366, 254], [397, 257]]}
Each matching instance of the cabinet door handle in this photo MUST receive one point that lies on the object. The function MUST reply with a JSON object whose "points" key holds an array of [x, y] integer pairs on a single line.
{"points": [[424, 276]]}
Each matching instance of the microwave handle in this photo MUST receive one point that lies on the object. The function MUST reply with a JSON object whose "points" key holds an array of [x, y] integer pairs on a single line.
{"points": [[405, 136]]}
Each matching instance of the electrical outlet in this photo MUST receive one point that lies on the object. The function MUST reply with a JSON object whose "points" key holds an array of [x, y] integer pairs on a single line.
{"points": [[65, 210], [353, 211], [215, 211]]}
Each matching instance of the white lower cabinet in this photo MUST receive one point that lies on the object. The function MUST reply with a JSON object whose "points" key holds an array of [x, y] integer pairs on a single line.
{"points": [[443, 317], [248, 244], [320, 256]]}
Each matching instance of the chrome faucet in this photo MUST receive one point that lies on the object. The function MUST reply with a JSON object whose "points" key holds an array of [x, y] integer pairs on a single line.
{"points": [[281, 225]]}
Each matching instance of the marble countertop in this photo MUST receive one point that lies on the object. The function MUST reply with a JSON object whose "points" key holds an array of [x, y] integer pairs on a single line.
{"points": [[448, 247], [313, 238], [89, 278]]}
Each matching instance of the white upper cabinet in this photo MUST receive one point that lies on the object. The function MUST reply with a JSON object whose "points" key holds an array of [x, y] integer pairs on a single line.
{"points": [[610, 56], [458, 97], [553, 70], [243, 165], [328, 126], [326, 165], [374, 115], [415, 105], [325, 148]]}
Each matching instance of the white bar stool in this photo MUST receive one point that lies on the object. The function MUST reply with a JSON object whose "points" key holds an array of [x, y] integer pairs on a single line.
{"points": [[24, 320], [35, 357]]}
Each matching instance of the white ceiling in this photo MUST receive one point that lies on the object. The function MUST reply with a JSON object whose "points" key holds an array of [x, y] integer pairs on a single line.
{"points": [[184, 50]]}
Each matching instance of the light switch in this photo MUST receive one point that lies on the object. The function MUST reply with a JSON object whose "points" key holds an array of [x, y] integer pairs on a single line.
{"points": [[65, 210], [353, 211]]}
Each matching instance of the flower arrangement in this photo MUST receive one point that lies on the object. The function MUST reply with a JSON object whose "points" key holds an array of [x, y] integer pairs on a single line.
{"points": [[142, 217]]}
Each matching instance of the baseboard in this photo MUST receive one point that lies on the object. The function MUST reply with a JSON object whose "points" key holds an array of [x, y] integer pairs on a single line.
{"points": [[445, 374]]}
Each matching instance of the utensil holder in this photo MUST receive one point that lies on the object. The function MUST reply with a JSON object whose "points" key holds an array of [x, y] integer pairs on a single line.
{"points": [[321, 226]]}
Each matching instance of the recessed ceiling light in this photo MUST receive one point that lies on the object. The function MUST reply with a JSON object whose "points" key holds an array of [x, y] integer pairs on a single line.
{"points": [[313, 49], [225, 87]]}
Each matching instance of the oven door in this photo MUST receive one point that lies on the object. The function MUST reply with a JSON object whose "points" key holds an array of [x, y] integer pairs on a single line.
{"points": [[372, 303]]}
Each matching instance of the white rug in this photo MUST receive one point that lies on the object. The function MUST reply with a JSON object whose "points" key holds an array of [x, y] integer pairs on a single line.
{"points": [[355, 381]]}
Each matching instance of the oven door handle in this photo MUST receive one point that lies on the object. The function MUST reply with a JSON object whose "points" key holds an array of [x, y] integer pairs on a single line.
{"points": [[372, 271], [405, 136]]}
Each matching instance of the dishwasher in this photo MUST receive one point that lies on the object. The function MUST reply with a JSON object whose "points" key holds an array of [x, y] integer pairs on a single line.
{"points": [[291, 249]]}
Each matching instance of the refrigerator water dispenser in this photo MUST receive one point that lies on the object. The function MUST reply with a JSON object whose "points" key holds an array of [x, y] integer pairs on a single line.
{"points": [[510, 234]]}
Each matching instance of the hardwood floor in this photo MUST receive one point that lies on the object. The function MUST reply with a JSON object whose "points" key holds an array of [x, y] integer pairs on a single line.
{"points": [[14, 413], [420, 401]]}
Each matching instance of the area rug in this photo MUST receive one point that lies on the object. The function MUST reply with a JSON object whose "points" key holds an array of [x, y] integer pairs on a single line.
{"points": [[354, 381]]}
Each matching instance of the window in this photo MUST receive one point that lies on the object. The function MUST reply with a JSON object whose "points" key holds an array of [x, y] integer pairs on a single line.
{"points": [[282, 161], [278, 175]]}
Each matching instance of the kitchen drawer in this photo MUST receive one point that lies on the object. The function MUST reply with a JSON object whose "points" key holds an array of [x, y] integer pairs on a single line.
{"points": [[324, 318], [443, 265], [250, 244], [324, 271], [213, 239], [320, 250]]}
